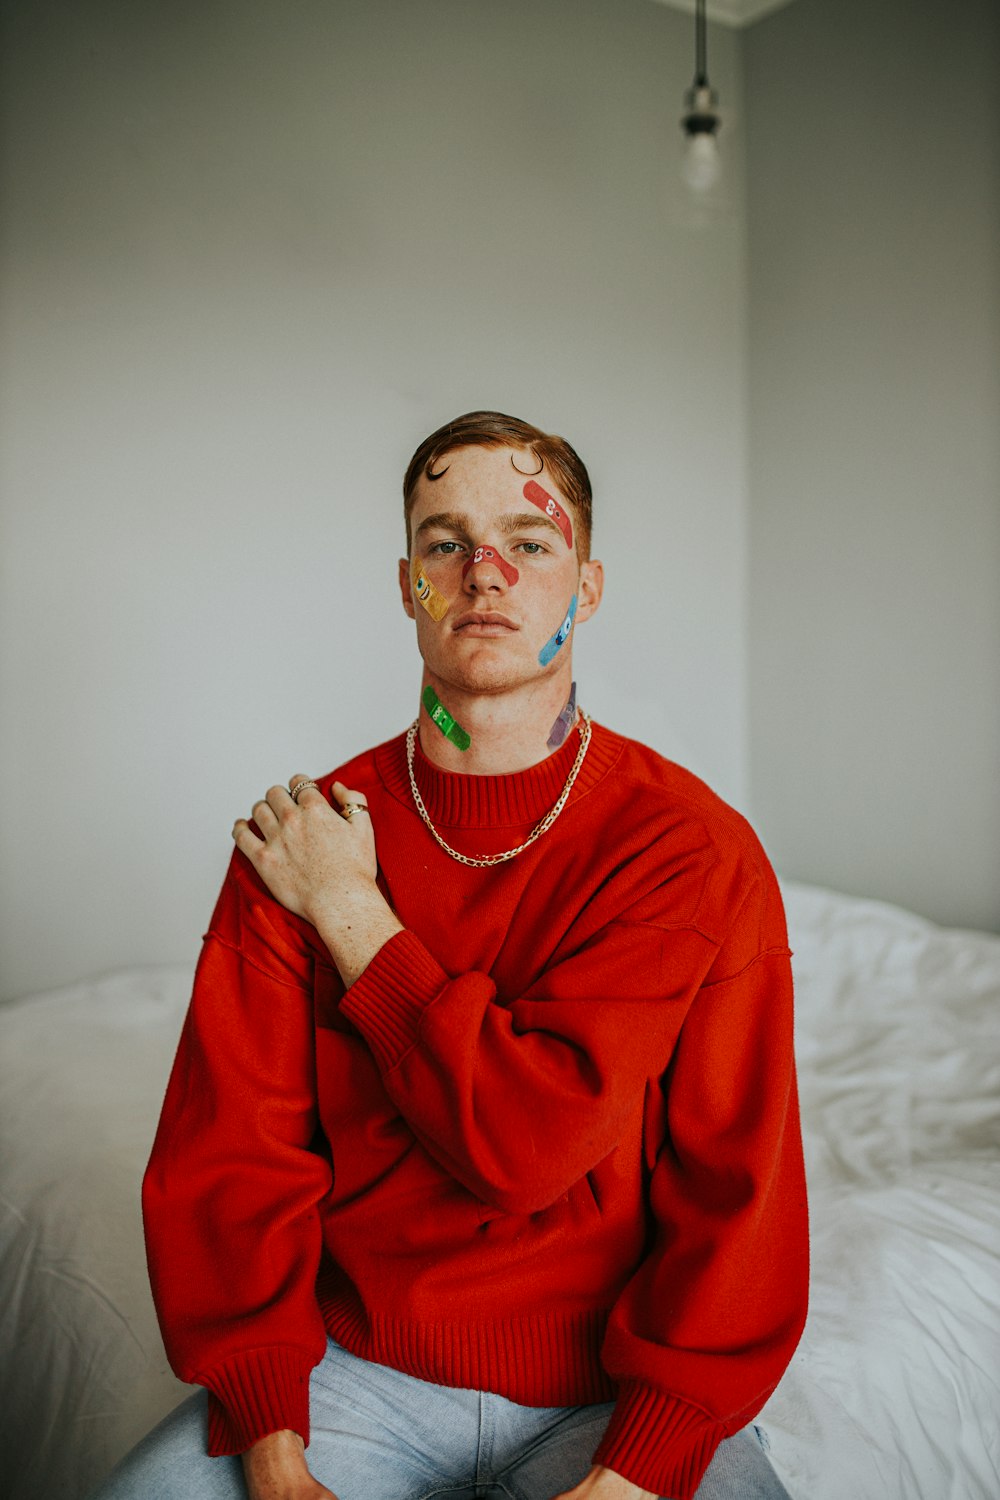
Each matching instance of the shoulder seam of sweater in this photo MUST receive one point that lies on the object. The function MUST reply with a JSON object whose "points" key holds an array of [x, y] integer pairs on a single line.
{"points": [[779, 951], [667, 927], [290, 984]]}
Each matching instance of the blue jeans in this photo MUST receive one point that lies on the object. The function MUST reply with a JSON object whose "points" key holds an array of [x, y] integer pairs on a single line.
{"points": [[380, 1435]]}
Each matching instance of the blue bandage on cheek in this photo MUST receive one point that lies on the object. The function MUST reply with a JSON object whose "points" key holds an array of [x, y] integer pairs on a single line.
{"points": [[551, 646]]}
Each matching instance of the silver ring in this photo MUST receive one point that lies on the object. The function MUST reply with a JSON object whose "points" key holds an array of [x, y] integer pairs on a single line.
{"points": [[350, 808], [295, 790]]}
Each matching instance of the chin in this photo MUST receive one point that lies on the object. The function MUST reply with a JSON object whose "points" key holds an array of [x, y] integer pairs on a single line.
{"points": [[485, 676]]}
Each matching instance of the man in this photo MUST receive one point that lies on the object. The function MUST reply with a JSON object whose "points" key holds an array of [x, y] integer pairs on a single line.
{"points": [[481, 1148]]}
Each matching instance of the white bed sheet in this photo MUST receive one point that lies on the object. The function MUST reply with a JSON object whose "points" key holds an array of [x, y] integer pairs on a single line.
{"points": [[82, 1369], [895, 1390]]}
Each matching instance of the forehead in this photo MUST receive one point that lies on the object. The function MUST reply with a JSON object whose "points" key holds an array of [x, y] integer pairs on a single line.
{"points": [[480, 479]]}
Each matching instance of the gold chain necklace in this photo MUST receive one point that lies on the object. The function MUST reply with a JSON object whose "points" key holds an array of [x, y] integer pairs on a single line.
{"points": [[584, 728]]}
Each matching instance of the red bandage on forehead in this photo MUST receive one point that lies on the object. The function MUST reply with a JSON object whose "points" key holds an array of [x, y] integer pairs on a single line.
{"points": [[552, 508]]}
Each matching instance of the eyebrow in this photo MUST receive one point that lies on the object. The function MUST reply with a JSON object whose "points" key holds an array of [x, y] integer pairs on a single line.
{"points": [[459, 522]]}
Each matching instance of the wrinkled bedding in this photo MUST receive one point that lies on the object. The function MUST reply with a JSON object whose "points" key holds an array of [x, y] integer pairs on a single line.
{"points": [[895, 1389]]}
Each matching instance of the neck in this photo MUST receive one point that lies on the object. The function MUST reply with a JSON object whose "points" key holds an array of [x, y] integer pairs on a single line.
{"points": [[508, 731]]}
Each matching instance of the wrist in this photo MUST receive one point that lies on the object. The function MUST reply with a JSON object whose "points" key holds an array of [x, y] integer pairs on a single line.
{"points": [[339, 910], [282, 1450], [355, 930]]}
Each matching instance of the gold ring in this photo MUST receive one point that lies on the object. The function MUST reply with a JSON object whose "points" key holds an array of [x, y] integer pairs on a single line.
{"points": [[350, 808], [295, 790]]}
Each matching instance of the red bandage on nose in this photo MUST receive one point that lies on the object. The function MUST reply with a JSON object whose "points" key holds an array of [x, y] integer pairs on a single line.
{"points": [[490, 555]]}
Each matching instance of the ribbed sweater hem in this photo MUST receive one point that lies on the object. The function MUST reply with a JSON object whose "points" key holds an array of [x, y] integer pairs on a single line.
{"points": [[548, 1359], [254, 1393], [659, 1442]]}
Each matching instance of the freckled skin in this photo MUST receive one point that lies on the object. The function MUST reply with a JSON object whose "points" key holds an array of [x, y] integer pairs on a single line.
{"points": [[490, 675]]}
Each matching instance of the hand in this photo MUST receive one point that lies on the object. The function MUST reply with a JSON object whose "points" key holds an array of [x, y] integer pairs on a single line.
{"points": [[275, 1469], [605, 1484], [311, 858], [322, 867]]}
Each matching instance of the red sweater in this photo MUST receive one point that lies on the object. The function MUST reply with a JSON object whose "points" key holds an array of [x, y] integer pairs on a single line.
{"points": [[547, 1145]]}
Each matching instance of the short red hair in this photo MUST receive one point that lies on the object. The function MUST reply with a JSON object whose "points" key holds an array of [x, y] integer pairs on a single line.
{"points": [[493, 429]]}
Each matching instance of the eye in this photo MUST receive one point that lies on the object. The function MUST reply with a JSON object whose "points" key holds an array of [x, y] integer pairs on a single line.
{"points": [[533, 549], [444, 549]]}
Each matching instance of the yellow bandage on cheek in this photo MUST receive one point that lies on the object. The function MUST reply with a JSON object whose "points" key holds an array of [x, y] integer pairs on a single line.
{"points": [[435, 604]]}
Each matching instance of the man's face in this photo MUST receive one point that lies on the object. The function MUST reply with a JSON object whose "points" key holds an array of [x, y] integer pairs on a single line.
{"points": [[493, 558]]}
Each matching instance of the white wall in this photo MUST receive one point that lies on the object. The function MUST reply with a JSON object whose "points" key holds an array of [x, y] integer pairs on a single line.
{"points": [[874, 399], [253, 250]]}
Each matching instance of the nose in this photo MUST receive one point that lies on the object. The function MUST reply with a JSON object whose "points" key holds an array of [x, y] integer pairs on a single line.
{"points": [[486, 572]]}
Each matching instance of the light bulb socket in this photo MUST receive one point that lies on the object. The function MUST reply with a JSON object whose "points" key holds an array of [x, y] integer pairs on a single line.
{"points": [[702, 116]]}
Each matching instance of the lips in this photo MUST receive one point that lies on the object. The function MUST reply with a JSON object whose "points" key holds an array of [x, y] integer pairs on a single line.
{"points": [[484, 622]]}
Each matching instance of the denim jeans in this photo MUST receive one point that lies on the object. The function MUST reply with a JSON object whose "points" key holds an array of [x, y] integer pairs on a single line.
{"points": [[380, 1435]]}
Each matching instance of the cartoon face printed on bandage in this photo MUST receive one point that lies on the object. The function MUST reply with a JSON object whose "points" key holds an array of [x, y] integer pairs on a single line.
{"points": [[435, 604], [490, 555], [561, 636], [552, 509]]}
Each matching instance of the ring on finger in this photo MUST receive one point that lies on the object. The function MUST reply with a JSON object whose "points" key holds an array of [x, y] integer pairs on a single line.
{"points": [[349, 809], [300, 786]]}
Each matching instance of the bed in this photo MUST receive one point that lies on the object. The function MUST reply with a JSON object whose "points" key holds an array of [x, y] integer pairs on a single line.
{"points": [[894, 1392]]}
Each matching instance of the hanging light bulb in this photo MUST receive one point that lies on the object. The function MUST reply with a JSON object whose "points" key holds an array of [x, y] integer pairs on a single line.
{"points": [[702, 167]]}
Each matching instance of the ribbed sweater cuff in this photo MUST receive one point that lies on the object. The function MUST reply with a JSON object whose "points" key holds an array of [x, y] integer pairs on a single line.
{"points": [[252, 1394], [387, 1002], [659, 1442]]}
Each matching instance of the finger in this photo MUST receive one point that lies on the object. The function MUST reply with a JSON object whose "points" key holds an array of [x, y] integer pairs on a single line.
{"points": [[265, 817], [352, 805], [343, 795], [308, 785], [279, 800], [245, 839]]}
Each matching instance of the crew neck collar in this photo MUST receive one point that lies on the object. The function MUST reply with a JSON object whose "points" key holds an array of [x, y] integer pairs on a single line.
{"points": [[455, 799]]}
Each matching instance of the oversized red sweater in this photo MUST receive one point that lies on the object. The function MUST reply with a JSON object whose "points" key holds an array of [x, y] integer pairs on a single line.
{"points": [[547, 1145]]}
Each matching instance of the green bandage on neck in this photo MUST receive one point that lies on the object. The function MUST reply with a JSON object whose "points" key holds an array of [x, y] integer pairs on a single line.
{"points": [[443, 719]]}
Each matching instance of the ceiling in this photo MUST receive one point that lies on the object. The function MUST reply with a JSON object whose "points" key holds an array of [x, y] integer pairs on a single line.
{"points": [[731, 12]]}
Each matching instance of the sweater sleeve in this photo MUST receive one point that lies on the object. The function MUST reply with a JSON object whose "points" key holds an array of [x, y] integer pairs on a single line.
{"points": [[231, 1193], [702, 1332], [566, 1060]]}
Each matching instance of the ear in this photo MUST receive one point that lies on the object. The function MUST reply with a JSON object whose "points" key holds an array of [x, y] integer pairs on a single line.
{"points": [[590, 589], [405, 590]]}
